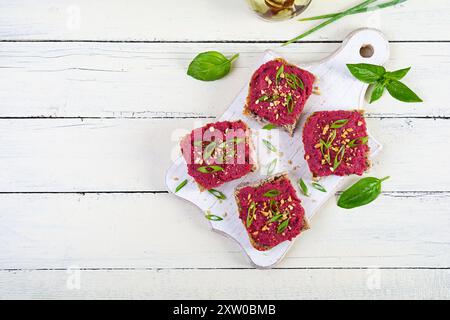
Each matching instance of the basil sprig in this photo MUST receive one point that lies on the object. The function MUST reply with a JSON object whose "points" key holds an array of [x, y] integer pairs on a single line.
{"points": [[210, 65], [380, 79], [361, 193]]}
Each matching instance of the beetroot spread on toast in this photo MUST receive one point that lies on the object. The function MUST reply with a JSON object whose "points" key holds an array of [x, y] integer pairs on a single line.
{"points": [[335, 143], [218, 152], [278, 92], [270, 211]]}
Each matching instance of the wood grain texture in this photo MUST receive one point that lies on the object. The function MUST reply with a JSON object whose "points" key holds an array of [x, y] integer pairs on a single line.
{"points": [[75, 155], [130, 231], [200, 20], [116, 103], [136, 80], [216, 284]]}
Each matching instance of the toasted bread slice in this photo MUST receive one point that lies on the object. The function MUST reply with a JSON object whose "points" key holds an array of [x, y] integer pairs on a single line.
{"points": [[287, 199]]}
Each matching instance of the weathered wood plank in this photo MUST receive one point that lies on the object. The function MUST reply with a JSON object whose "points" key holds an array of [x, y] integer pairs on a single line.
{"points": [[153, 20], [149, 80], [227, 284], [161, 231], [70, 155]]}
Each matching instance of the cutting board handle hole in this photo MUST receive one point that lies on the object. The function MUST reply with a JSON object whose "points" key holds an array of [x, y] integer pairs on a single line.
{"points": [[366, 51]]}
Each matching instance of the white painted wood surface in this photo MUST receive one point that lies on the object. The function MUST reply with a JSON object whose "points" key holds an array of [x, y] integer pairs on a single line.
{"points": [[88, 128]]}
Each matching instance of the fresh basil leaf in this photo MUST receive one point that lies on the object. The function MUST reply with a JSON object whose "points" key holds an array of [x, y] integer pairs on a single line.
{"points": [[209, 169], [269, 146], [198, 143], [401, 92], [210, 65], [303, 187], [361, 193], [272, 193], [213, 217], [181, 185], [216, 193], [269, 126], [397, 75], [368, 73], [377, 91], [318, 187]]}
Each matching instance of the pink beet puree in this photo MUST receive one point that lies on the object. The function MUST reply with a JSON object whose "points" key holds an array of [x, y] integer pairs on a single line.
{"points": [[233, 158], [274, 108], [263, 232], [352, 137]]}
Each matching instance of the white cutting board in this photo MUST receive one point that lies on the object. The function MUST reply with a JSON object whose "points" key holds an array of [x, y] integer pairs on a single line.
{"points": [[339, 90]]}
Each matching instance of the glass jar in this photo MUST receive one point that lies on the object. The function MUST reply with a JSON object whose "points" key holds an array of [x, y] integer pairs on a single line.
{"points": [[278, 9]]}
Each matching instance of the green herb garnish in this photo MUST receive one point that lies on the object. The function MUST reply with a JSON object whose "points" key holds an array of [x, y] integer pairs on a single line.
{"points": [[272, 193], [380, 79], [362, 10], [210, 65], [198, 143], [271, 166], [250, 214], [213, 217], [266, 98], [303, 187], [209, 169], [269, 126], [209, 150], [358, 142], [290, 103], [293, 81], [362, 7], [338, 124], [269, 145], [318, 186], [361, 193], [216, 193], [181, 185], [327, 22], [276, 218], [283, 225], [339, 157], [279, 73]]}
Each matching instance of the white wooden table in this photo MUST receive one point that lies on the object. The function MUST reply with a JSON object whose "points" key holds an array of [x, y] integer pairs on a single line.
{"points": [[93, 99]]}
